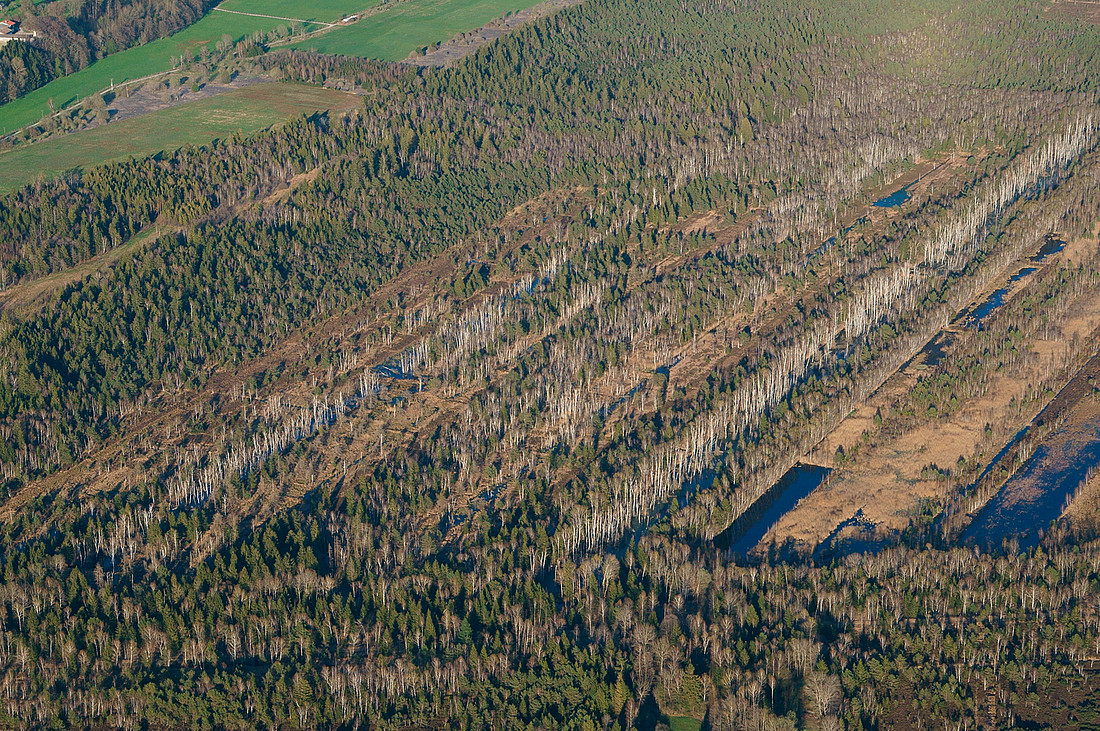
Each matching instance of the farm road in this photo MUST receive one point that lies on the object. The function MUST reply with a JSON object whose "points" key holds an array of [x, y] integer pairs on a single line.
{"points": [[276, 17]]}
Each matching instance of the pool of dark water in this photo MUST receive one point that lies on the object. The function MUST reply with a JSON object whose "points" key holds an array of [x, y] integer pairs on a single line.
{"points": [[997, 299], [748, 530], [1037, 494], [895, 199], [983, 310], [1052, 245], [854, 535], [392, 370], [933, 352]]}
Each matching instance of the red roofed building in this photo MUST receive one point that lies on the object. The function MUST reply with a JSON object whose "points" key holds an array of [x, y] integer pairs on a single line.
{"points": [[9, 31]]}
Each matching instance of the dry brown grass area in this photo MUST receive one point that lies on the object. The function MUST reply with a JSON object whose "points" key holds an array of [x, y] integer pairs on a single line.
{"points": [[354, 444], [885, 481]]}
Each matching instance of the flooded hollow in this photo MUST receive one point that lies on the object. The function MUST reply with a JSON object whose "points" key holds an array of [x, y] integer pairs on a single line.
{"points": [[748, 530]]}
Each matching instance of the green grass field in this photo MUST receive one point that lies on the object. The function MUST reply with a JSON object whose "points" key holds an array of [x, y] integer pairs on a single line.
{"points": [[392, 34], [327, 11], [682, 723], [129, 64], [389, 35], [247, 110]]}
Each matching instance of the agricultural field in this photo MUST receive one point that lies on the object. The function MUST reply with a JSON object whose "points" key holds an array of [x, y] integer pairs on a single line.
{"points": [[394, 33], [389, 35], [134, 63], [246, 110]]}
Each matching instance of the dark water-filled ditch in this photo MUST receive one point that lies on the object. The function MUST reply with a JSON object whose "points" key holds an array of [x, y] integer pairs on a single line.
{"points": [[983, 310], [895, 199], [1037, 494], [975, 317], [1052, 245], [748, 530]]}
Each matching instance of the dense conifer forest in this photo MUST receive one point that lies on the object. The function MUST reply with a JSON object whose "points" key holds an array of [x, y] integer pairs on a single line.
{"points": [[433, 414]]}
